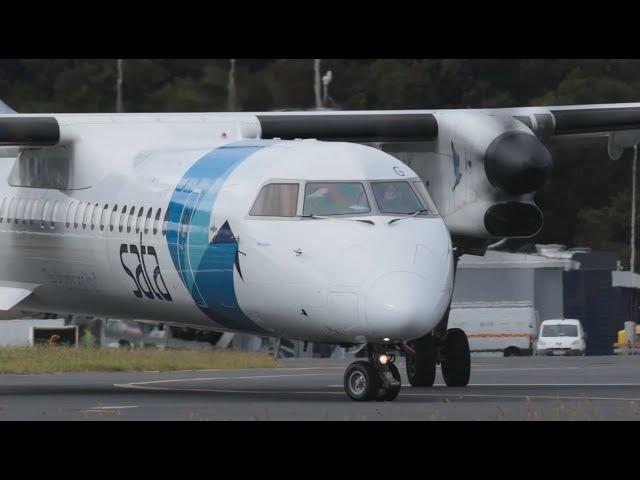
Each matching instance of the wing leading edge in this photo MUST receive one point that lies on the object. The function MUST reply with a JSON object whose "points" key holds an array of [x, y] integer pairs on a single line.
{"points": [[422, 125]]}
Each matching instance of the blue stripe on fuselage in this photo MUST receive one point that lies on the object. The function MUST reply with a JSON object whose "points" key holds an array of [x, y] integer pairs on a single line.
{"points": [[206, 268]]}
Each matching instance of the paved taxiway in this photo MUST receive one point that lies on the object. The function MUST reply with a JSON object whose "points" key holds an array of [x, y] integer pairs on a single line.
{"points": [[547, 388]]}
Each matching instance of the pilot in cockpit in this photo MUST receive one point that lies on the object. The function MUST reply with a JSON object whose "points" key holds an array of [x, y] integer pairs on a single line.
{"points": [[335, 199], [396, 200]]}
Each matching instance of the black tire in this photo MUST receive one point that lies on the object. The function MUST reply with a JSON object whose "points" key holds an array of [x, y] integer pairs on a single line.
{"points": [[456, 367], [512, 352], [391, 394], [361, 382], [421, 367]]}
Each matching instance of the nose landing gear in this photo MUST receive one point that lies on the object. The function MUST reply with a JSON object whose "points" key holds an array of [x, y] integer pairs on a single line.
{"points": [[376, 379]]}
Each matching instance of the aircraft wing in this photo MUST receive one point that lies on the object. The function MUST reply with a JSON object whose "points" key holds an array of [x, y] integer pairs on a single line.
{"points": [[12, 293], [619, 123], [592, 119], [422, 125]]}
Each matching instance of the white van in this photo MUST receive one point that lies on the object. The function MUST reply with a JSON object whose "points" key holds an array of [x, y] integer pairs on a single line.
{"points": [[502, 328], [561, 337]]}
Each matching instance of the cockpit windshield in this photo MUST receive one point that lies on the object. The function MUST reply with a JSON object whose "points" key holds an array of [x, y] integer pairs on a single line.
{"points": [[396, 197], [335, 198]]}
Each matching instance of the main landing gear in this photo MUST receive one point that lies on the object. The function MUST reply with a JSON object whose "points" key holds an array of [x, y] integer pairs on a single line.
{"points": [[451, 351], [378, 377]]}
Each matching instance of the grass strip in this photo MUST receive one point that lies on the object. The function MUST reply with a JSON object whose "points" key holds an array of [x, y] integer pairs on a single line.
{"points": [[46, 359]]}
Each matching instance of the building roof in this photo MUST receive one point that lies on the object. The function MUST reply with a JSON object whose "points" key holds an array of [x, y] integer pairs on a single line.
{"points": [[625, 280], [497, 259]]}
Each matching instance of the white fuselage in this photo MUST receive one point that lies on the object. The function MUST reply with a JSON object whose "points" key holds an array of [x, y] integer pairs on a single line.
{"points": [[155, 228]]}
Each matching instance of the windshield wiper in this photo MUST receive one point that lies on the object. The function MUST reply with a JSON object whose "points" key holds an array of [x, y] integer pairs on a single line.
{"points": [[318, 217], [410, 215]]}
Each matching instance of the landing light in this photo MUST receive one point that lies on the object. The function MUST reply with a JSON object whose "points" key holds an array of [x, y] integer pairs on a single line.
{"points": [[386, 339], [383, 359]]}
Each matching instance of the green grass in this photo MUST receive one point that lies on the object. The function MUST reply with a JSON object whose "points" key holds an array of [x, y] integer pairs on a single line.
{"points": [[45, 359]]}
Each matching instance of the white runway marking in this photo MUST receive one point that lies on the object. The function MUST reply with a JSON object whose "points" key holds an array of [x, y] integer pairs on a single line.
{"points": [[115, 407], [202, 379]]}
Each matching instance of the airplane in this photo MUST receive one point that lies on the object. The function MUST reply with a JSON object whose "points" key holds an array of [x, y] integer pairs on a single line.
{"points": [[342, 227]]}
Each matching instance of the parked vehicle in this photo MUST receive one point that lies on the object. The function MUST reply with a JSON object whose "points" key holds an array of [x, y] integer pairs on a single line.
{"points": [[561, 337], [506, 328]]}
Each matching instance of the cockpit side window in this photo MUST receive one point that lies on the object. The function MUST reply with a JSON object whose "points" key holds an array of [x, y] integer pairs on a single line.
{"points": [[426, 198], [276, 200], [396, 197], [335, 198]]}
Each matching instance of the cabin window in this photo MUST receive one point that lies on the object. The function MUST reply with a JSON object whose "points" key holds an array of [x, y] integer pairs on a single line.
{"points": [[103, 217], [12, 210], [112, 219], [94, 215], [20, 215], [132, 214], [139, 219], [34, 212], [165, 222], [276, 200], [157, 221], [184, 222], [46, 212], [71, 209], [26, 215], [396, 198], [335, 198], [123, 216], [82, 207], [54, 212], [27, 212], [86, 218], [147, 221]]}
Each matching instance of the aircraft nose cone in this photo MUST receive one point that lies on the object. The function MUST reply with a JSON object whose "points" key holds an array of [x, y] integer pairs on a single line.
{"points": [[517, 163], [397, 305]]}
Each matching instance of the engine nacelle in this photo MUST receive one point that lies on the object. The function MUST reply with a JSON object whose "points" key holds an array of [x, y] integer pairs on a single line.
{"points": [[482, 172]]}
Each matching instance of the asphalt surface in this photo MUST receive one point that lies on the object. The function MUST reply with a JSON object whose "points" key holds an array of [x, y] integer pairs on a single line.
{"points": [[532, 388]]}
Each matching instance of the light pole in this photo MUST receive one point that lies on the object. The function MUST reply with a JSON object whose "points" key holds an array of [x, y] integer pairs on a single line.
{"points": [[316, 83], [630, 325], [326, 80], [633, 209], [119, 104], [231, 88]]}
